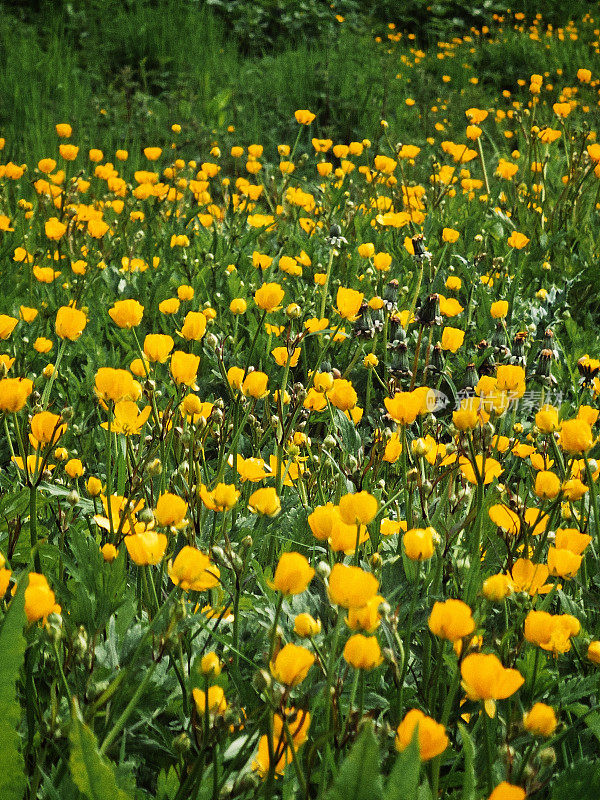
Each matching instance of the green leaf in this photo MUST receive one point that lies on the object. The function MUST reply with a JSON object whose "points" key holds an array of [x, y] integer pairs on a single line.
{"points": [[580, 780], [167, 785], [468, 788], [359, 778], [12, 650], [591, 718], [93, 775], [403, 783], [347, 432]]}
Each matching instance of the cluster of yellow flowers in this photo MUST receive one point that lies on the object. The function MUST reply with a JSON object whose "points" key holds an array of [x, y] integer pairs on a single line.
{"points": [[281, 441]]}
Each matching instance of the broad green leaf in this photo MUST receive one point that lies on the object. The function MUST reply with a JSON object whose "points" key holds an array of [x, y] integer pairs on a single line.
{"points": [[12, 653], [93, 775], [468, 788], [403, 783], [359, 778]]}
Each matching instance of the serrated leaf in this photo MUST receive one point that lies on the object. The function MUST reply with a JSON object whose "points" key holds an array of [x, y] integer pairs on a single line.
{"points": [[580, 780], [12, 650], [403, 783], [93, 775], [359, 778]]}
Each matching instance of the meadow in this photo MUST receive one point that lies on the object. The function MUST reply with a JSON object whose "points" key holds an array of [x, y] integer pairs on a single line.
{"points": [[299, 404]]}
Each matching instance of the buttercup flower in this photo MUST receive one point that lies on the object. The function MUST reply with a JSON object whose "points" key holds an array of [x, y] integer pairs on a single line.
{"points": [[127, 313], [351, 587], [451, 620], [70, 323], [484, 678], [293, 574], [292, 664], [363, 652], [431, 735], [192, 571]]}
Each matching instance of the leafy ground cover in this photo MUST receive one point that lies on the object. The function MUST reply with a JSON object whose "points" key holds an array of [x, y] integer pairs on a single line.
{"points": [[299, 432]]}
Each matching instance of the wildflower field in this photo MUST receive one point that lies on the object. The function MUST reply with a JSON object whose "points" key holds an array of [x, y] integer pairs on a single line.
{"points": [[298, 441]]}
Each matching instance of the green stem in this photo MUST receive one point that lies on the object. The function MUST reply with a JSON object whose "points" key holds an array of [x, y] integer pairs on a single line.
{"points": [[128, 710], [326, 284], [274, 628], [33, 528]]}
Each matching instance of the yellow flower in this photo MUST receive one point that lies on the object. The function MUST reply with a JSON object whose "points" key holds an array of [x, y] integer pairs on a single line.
{"points": [[452, 339], [293, 574], [283, 357], [546, 419], [157, 347], [363, 652], [499, 309], [563, 563], [451, 620], [497, 587], [210, 664], [348, 303], [269, 296], [192, 570], [593, 652], [342, 394], [265, 501], [184, 367], [306, 626], [529, 577], [68, 151], [238, 306], [367, 618], [146, 548], [551, 632], [404, 407], [194, 326], [7, 325], [47, 428], [431, 735], [152, 153], [511, 379], [304, 117], [109, 552], [418, 544], [93, 486], [484, 678], [547, 485], [571, 539], [576, 436], [366, 250], [74, 468], [255, 385], [126, 313], [127, 418], [358, 509], [115, 384], [517, 240], [216, 704], [70, 323], [541, 720], [64, 130], [235, 377], [382, 262], [223, 497], [170, 510], [292, 664], [351, 587], [450, 235], [507, 791], [39, 598], [492, 469], [14, 393]]}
